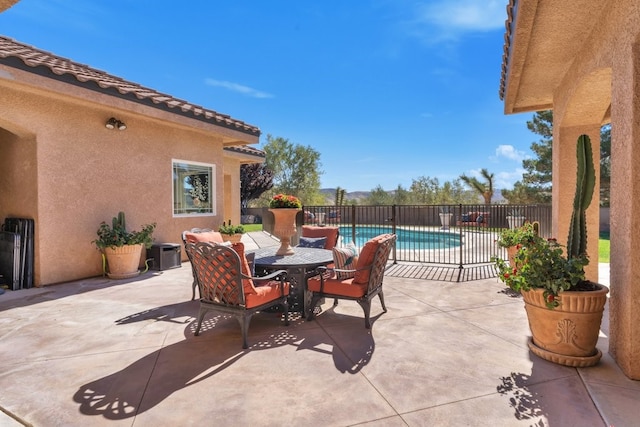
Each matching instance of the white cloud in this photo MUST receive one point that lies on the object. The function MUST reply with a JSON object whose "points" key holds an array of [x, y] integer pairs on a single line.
{"points": [[235, 87], [448, 20], [505, 180], [509, 152], [465, 15]]}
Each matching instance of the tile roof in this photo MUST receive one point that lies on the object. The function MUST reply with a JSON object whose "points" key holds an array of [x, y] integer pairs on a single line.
{"points": [[28, 58], [245, 149], [512, 8]]}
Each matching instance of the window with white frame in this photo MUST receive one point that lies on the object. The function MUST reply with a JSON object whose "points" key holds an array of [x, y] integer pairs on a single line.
{"points": [[193, 188]]}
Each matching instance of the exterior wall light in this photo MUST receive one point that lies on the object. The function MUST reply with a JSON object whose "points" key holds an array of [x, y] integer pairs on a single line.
{"points": [[114, 123]]}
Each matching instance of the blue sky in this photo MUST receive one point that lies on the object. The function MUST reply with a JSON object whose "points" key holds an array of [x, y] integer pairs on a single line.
{"points": [[385, 90]]}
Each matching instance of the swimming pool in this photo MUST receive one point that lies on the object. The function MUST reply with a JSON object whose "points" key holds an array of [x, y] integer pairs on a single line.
{"points": [[407, 239]]}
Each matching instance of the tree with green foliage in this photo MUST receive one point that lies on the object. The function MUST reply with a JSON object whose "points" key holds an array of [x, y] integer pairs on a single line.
{"points": [[379, 196], [340, 192], [453, 192], [255, 179], [485, 189], [296, 170], [535, 186], [401, 196], [424, 190]]}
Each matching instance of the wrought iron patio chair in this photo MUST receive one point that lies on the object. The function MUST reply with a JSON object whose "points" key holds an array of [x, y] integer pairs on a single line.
{"points": [[364, 283], [222, 275], [199, 235]]}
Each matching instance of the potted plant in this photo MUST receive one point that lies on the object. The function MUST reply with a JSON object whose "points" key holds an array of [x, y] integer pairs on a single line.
{"points": [[284, 208], [513, 239], [120, 248], [515, 218], [231, 233], [564, 309], [445, 217]]}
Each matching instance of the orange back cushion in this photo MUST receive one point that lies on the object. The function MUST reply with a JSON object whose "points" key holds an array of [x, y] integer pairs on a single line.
{"points": [[247, 284], [331, 233], [366, 257], [207, 236]]}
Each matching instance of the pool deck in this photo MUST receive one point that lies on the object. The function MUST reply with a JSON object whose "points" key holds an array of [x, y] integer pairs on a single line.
{"points": [[105, 352]]}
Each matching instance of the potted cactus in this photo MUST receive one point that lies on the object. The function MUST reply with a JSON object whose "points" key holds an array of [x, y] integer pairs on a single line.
{"points": [[564, 309], [120, 248], [231, 233]]}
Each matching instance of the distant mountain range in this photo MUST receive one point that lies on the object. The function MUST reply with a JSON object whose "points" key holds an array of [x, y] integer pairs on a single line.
{"points": [[330, 194]]}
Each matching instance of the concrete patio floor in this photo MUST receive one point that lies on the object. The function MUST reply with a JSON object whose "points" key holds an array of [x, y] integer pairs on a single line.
{"points": [[102, 352]]}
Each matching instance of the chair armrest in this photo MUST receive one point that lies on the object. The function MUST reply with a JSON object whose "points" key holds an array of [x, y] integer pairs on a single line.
{"points": [[280, 275], [271, 276], [323, 269]]}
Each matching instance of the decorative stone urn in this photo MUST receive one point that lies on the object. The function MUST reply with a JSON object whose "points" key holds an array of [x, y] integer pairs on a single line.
{"points": [[445, 220], [284, 227], [123, 261], [515, 221], [567, 334]]}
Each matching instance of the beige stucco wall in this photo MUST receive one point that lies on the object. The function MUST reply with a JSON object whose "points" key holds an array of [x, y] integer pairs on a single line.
{"points": [[582, 59], [604, 75], [64, 169]]}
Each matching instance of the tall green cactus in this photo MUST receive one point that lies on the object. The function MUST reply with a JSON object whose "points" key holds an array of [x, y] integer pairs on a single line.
{"points": [[585, 184], [119, 223]]}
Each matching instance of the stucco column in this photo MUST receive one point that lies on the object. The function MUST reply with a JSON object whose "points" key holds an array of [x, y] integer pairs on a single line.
{"points": [[564, 188], [624, 302]]}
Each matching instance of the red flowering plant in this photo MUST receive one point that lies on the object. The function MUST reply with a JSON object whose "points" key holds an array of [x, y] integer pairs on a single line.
{"points": [[517, 236], [542, 263], [285, 201]]}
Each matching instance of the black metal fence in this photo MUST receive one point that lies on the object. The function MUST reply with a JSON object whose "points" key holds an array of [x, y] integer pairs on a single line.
{"points": [[437, 234]]}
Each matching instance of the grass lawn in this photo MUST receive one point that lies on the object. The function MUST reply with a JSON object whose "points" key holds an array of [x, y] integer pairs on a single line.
{"points": [[603, 248], [252, 227]]}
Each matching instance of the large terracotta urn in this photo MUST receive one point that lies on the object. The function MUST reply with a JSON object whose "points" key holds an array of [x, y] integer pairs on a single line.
{"points": [[123, 261], [567, 334], [284, 227]]}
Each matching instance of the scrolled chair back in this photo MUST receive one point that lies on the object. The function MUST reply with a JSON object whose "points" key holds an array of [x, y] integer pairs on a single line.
{"points": [[218, 272]]}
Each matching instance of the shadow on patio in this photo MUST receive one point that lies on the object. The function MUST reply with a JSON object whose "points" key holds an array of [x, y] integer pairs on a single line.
{"points": [[444, 354]]}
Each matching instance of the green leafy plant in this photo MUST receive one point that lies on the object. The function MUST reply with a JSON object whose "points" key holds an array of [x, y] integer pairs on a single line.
{"points": [[116, 234], [516, 236], [542, 263], [283, 201], [231, 229]]}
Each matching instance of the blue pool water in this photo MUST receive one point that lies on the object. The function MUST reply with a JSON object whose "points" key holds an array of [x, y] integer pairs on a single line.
{"points": [[407, 239]]}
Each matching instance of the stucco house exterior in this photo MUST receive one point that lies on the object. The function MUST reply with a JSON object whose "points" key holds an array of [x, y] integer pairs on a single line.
{"points": [[78, 145], [581, 59]]}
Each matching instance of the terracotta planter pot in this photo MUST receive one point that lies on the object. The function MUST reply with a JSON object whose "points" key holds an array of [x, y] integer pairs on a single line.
{"points": [[511, 255], [233, 238], [123, 262], [284, 227], [568, 334]]}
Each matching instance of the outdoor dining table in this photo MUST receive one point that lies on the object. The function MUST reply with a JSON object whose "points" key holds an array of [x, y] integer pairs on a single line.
{"points": [[300, 266]]}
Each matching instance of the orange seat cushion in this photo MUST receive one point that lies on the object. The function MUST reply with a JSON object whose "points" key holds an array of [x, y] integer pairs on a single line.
{"points": [[345, 287], [331, 233], [207, 236], [266, 293]]}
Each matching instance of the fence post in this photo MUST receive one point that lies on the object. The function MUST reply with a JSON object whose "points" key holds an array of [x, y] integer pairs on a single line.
{"points": [[393, 230], [353, 224], [460, 265]]}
